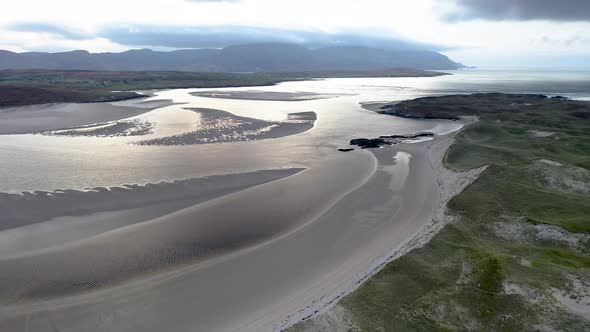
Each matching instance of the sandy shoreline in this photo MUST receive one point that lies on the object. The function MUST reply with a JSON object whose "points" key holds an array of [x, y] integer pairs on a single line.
{"points": [[449, 184], [228, 253], [393, 203], [246, 252]]}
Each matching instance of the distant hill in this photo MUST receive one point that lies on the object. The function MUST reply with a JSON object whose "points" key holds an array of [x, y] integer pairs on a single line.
{"points": [[239, 58]]}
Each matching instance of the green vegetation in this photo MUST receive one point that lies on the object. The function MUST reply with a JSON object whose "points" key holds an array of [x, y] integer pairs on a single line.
{"points": [[26, 87], [520, 233]]}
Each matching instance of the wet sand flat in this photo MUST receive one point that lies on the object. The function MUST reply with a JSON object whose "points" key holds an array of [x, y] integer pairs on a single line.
{"points": [[38, 118], [391, 203], [37, 220], [218, 126], [219, 226], [254, 258], [264, 95], [129, 127]]}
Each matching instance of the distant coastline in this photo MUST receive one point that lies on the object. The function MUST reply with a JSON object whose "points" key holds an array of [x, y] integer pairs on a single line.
{"points": [[30, 87]]}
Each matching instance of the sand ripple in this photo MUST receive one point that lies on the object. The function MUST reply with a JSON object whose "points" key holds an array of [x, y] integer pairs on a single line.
{"points": [[219, 126]]}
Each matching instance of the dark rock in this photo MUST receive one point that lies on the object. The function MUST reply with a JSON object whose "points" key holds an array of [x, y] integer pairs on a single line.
{"points": [[345, 150], [366, 143], [408, 136]]}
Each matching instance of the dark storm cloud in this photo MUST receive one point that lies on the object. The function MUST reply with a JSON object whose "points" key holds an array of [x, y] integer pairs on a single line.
{"points": [[554, 10], [222, 36], [49, 28]]}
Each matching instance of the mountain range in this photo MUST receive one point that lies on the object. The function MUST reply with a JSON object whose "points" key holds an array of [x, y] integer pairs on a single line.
{"points": [[268, 57]]}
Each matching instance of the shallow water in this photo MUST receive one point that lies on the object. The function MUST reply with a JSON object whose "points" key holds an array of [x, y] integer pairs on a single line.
{"points": [[36, 162], [351, 208]]}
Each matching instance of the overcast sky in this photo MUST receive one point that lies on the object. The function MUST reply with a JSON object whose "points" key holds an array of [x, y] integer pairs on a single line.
{"points": [[486, 33]]}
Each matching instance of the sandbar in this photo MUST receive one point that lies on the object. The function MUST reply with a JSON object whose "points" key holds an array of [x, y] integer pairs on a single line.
{"points": [[47, 117]]}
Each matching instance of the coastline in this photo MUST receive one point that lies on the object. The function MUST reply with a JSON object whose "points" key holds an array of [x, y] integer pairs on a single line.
{"points": [[267, 276], [28, 87], [449, 182], [515, 254], [331, 254]]}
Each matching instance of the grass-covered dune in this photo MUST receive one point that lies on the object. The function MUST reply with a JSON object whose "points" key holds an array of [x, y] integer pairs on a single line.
{"points": [[517, 256], [26, 87]]}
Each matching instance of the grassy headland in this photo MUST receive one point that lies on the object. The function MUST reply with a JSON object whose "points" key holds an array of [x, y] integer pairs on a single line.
{"points": [[26, 87], [516, 257]]}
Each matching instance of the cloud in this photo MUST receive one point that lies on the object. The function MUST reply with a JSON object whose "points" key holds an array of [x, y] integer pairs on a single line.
{"points": [[210, 36], [222, 36], [521, 10], [63, 32], [561, 42]]}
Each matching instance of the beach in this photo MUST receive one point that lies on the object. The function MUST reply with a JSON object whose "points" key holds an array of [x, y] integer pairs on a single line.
{"points": [[208, 221], [335, 246]]}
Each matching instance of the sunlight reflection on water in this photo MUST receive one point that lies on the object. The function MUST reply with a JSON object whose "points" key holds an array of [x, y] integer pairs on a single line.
{"points": [[35, 162]]}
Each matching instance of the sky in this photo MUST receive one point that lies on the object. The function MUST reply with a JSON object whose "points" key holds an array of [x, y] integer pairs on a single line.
{"points": [[483, 33]]}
